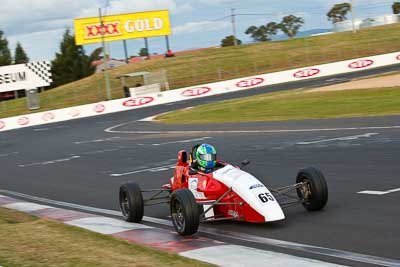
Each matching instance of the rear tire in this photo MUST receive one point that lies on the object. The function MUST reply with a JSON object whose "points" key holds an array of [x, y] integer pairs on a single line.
{"points": [[131, 202], [184, 212], [314, 192]]}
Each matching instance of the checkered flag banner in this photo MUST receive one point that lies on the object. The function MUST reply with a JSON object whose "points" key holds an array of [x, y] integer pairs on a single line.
{"points": [[41, 69]]}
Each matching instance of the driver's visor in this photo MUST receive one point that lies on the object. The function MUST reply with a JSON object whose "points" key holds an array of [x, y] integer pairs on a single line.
{"points": [[208, 157]]}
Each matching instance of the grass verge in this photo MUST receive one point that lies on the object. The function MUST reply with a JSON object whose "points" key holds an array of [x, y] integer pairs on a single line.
{"points": [[293, 105], [30, 241], [225, 63]]}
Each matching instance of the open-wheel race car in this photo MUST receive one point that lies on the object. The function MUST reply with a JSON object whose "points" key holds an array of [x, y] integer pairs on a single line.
{"points": [[225, 193]]}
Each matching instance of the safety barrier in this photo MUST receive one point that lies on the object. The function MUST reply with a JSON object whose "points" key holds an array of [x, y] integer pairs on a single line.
{"points": [[246, 83]]}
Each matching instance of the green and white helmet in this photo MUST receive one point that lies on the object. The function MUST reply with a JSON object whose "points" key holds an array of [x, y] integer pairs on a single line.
{"points": [[206, 156]]}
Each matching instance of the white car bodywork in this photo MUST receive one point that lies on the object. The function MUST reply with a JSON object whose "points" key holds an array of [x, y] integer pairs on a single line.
{"points": [[251, 190]]}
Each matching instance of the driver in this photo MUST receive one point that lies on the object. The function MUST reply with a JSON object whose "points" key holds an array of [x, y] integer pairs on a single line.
{"points": [[205, 157]]}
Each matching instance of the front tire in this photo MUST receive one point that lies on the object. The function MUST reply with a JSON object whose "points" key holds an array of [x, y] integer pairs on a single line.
{"points": [[184, 212], [131, 202], [314, 192]]}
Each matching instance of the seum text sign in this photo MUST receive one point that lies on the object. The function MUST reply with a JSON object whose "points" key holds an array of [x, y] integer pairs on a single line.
{"points": [[25, 76]]}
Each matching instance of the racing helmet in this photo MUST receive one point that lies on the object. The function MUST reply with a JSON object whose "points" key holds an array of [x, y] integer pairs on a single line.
{"points": [[206, 156]]}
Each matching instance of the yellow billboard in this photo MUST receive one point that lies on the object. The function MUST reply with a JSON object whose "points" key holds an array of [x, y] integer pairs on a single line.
{"points": [[122, 27]]}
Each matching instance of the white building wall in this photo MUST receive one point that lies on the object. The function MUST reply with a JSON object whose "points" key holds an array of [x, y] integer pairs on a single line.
{"points": [[365, 23]]}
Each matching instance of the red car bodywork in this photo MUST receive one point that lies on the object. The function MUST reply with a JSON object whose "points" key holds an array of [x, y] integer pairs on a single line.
{"points": [[213, 190]]}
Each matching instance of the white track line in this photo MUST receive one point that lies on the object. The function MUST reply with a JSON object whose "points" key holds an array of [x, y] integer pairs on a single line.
{"points": [[101, 151], [149, 119], [344, 138], [340, 254], [155, 169], [49, 128], [111, 130], [98, 140], [372, 192], [8, 154], [183, 141], [49, 162]]}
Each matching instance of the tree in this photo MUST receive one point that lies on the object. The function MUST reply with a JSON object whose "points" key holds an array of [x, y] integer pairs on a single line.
{"points": [[20, 55], [272, 28], [263, 32], [396, 8], [96, 55], [290, 25], [339, 12], [229, 41], [71, 63], [143, 52], [5, 54]]}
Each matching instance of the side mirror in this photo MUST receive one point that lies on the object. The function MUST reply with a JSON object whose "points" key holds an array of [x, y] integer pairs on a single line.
{"points": [[192, 172], [245, 162]]}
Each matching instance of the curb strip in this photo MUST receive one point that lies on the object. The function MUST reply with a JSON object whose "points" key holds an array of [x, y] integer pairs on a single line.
{"points": [[195, 247]]}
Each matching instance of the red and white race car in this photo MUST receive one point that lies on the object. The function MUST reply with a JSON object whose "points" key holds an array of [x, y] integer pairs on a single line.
{"points": [[226, 193]]}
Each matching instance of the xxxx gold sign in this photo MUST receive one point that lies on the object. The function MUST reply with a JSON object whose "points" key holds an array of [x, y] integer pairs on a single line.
{"points": [[122, 27]]}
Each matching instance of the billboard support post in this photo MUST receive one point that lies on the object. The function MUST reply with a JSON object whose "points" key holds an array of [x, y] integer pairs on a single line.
{"points": [[105, 59], [146, 43], [167, 42], [125, 51]]}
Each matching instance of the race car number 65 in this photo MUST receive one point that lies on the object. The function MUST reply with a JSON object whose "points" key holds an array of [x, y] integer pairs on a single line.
{"points": [[264, 197]]}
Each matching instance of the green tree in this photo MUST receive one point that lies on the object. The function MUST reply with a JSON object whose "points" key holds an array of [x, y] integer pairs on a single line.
{"points": [[229, 41], [96, 55], [396, 8], [20, 55], [290, 25], [5, 54], [143, 52], [263, 32], [339, 12], [71, 63]]}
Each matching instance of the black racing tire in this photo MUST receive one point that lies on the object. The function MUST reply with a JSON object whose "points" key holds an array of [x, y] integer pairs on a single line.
{"points": [[131, 202], [184, 212], [314, 193]]}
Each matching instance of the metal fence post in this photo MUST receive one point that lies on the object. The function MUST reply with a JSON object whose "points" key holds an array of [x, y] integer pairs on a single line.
{"points": [[219, 73]]}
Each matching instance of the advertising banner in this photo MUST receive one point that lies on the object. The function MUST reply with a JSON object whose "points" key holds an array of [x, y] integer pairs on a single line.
{"points": [[122, 27], [25, 76], [204, 90]]}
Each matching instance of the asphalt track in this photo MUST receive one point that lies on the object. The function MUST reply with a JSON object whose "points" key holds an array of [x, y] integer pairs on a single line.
{"points": [[79, 162]]}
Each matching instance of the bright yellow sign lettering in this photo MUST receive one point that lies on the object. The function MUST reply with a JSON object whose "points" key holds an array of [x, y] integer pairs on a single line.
{"points": [[122, 27]]}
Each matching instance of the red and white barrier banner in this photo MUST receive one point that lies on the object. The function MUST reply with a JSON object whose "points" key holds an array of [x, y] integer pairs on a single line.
{"points": [[306, 73], [197, 91], [361, 64], [246, 83], [138, 101], [250, 82]]}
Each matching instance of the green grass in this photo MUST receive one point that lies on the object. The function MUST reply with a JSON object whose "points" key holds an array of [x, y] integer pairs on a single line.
{"points": [[293, 105], [29, 241], [225, 63]]}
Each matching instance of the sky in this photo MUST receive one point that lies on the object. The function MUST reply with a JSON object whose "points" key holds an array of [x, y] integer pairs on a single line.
{"points": [[39, 24]]}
